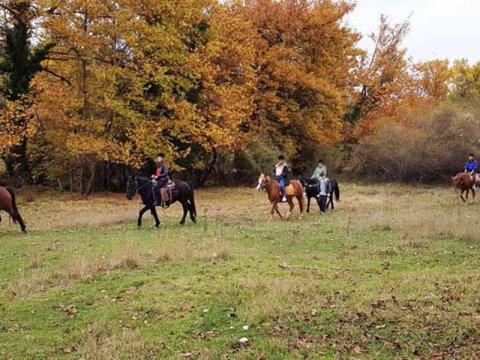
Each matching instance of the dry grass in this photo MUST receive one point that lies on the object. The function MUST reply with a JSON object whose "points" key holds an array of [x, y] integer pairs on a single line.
{"points": [[104, 343], [47, 210], [417, 212]]}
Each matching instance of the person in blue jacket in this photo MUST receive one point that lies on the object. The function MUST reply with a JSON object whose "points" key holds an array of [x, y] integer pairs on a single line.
{"points": [[471, 167]]}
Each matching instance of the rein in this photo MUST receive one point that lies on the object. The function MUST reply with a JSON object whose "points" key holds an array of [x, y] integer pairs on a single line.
{"points": [[141, 187]]}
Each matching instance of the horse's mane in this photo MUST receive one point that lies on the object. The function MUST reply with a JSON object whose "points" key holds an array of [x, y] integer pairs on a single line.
{"points": [[142, 178]]}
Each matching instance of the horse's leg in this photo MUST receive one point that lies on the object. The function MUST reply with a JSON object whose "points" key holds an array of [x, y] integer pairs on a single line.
{"points": [[329, 202], [461, 195], [274, 209], [185, 211], [473, 195], [278, 211], [291, 205], [308, 204], [18, 219], [153, 210], [191, 206], [140, 214], [192, 212]]}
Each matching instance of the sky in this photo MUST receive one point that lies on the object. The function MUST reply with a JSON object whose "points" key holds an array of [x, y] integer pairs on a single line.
{"points": [[446, 29]]}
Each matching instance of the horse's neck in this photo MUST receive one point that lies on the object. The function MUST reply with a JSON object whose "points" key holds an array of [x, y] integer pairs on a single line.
{"points": [[143, 186], [141, 181], [272, 187]]}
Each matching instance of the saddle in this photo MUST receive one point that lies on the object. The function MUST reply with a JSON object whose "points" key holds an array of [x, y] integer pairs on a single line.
{"points": [[289, 190], [166, 192]]}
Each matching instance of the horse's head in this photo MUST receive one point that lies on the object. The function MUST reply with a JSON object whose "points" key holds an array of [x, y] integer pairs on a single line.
{"points": [[302, 179], [461, 180], [455, 181], [263, 181], [132, 187]]}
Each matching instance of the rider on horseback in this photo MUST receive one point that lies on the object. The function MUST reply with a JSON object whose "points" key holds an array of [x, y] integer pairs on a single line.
{"points": [[160, 179], [280, 174], [471, 167], [320, 170]]}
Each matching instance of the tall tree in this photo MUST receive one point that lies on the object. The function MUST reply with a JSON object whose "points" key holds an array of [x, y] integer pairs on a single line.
{"points": [[20, 60], [384, 79], [304, 56]]}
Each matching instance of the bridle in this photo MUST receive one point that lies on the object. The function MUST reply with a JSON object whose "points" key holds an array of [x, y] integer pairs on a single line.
{"points": [[264, 183], [138, 188]]}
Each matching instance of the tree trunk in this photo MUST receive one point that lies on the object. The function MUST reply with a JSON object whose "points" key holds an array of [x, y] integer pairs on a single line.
{"points": [[91, 179], [17, 164]]}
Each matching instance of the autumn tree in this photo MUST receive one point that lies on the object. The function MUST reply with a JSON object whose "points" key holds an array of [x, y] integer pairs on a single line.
{"points": [[304, 57], [20, 60], [384, 78], [138, 77], [465, 79], [434, 78]]}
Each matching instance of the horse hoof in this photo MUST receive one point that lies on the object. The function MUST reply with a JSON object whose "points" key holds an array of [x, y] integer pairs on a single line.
{"points": [[182, 222], [194, 220]]}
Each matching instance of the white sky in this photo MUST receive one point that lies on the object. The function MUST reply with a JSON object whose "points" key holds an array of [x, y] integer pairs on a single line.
{"points": [[439, 28]]}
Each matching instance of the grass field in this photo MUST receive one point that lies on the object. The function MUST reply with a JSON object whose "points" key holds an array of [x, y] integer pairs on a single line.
{"points": [[393, 272]]}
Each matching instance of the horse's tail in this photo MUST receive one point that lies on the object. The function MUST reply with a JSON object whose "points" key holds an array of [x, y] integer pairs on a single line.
{"points": [[301, 202], [14, 205], [336, 189], [192, 200], [15, 214], [299, 196]]}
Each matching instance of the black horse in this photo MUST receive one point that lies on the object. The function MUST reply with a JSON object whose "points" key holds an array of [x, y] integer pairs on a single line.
{"points": [[182, 192], [311, 190]]}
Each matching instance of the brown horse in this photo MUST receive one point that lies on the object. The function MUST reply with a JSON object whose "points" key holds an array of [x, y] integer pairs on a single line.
{"points": [[273, 192], [464, 182], [8, 203]]}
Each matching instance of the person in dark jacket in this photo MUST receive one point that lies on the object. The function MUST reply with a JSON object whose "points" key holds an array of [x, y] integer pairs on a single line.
{"points": [[471, 167], [280, 174], [324, 191], [160, 179]]}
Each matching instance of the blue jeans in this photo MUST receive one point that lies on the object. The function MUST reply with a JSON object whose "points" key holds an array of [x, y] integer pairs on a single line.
{"points": [[281, 183]]}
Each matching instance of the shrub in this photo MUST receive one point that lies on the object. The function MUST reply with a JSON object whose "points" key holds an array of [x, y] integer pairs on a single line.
{"points": [[423, 143]]}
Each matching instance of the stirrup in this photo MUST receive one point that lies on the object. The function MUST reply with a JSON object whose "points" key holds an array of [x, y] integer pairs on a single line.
{"points": [[164, 205]]}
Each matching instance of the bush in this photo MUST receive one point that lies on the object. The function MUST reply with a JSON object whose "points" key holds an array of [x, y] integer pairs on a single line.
{"points": [[425, 143]]}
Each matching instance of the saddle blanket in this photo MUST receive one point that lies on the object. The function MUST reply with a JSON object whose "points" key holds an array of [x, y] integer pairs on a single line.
{"points": [[289, 190], [166, 191]]}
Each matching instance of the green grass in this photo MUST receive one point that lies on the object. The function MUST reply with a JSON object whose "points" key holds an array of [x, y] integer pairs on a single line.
{"points": [[392, 273]]}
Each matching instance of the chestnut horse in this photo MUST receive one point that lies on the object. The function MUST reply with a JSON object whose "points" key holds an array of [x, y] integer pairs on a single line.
{"points": [[463, 181], [273, 192], [8, 203]]}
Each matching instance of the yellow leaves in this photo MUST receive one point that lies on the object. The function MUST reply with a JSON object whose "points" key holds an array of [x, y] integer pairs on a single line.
{"points": [[148, 76], [465, 79], [17, 121]]}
